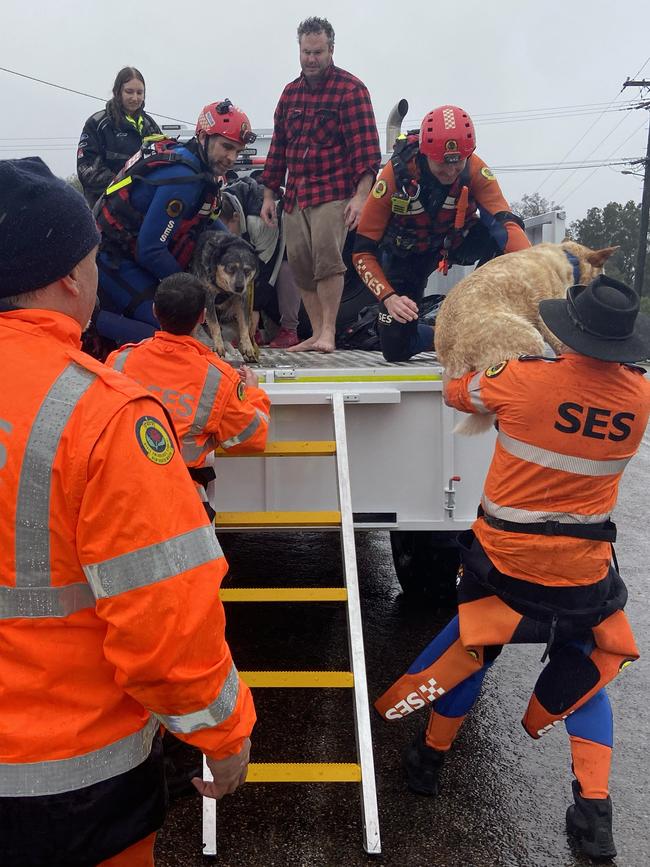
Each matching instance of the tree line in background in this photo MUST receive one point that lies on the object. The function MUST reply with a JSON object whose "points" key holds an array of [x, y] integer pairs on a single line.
{"points": [[613, 225]]}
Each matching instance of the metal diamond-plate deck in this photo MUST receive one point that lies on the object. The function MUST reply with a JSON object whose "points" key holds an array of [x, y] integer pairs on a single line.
{"points": [[342, 359]]}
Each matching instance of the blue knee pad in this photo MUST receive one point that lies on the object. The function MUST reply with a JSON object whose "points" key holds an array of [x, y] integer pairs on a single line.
{"points": [[593, 721]]}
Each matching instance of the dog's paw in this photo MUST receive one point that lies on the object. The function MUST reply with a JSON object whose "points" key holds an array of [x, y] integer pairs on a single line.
{"points": [[250, 352], [219, 348]]}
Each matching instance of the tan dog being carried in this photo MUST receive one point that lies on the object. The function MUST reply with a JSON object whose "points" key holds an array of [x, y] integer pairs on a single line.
{"points": [[493, 314]]}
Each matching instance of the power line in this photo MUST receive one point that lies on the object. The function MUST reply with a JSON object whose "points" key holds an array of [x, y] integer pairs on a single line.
{"points": [[583, 136], [532, 115], [544, 167], [592, 151], [591, 174], [79, 92], [489, 117]]}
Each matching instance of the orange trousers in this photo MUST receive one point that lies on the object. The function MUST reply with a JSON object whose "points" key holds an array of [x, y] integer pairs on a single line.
{"points": [[138, 855]]}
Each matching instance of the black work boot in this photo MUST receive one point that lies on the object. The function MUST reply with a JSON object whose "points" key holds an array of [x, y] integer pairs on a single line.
{"points": [[422, 766], [589, 821]]}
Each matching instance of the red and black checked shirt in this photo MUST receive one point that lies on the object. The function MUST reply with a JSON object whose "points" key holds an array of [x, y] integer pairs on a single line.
{"points": [[325, 138]]}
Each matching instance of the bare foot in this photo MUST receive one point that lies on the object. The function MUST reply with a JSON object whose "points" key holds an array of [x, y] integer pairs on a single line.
{"points": [[304, 346], [323, 345]]}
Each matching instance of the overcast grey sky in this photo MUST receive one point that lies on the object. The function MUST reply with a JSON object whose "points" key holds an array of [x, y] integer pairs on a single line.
{"points": [[491, 58]]}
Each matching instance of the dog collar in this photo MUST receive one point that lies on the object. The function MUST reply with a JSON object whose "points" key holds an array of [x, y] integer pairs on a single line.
{"points": [[221, 296], [575, 264]]}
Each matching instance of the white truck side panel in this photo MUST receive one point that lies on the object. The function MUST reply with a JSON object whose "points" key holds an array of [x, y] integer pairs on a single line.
{"points": [[402, 453]]}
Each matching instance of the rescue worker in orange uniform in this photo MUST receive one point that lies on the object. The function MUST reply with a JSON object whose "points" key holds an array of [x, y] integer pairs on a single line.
{"points": [[434, 204], [538, 564], [209, 402], [109, 570]]}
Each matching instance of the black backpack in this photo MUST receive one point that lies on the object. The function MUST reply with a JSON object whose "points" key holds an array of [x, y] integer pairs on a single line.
{"points": [[362, 332]]}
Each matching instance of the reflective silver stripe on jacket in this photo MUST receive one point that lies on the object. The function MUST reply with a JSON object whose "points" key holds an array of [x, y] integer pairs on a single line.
{"points": [[22, 779], [35, 483], [153, 563], [206, 401], [248, 431], [558, 461], [191, 451], [44, 601], [525, 516], [120, 360], [212, 715], [474, 390]]}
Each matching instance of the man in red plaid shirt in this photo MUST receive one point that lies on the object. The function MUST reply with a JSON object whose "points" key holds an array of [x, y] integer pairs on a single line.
{"points": [[325, 142]]}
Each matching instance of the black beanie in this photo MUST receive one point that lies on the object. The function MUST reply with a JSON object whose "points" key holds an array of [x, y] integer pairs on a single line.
{"points": [[46, 227]]}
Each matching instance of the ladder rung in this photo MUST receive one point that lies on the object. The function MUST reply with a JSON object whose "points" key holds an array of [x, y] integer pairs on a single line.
{"points": [[277, 519], [303, 772], [286, 449], [299, 679], [283, 594]]}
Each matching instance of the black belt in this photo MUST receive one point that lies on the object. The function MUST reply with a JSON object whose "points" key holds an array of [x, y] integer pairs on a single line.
{"points": [[202, 475], [605, 531]]}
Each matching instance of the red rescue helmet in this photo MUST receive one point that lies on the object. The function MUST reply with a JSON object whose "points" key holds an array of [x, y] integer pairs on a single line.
{"points": [[447, 135], [224, 118]]}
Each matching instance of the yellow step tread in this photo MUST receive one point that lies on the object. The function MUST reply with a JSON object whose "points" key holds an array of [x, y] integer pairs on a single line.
{"points": [[287, 449], [278, 519], [303, 772], [283, 594], [299, 679]]}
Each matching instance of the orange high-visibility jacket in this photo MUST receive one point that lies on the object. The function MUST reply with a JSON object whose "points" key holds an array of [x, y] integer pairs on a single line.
{"points": [[377, 214], [110, 618], [567, 429], [202, 393]]}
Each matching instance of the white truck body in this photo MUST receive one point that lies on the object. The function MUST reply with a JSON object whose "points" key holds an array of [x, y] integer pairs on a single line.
{"points": [[402, 448]]}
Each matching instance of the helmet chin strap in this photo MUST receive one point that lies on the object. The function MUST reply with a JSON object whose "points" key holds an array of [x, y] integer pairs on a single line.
{"points": [[202, 151]]}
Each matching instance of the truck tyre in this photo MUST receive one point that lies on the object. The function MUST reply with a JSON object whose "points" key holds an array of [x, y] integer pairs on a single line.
{"points": [[426, 563]]}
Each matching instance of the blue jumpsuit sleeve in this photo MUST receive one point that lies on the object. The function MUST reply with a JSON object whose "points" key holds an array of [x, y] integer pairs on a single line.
{"points": [[496, 228], [159, 227]]}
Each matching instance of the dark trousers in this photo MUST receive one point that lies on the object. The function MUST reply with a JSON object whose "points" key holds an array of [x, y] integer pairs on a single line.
{"points": [[408, 275]]}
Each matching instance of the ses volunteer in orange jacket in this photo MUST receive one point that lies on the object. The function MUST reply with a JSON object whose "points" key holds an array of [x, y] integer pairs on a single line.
{"points": [[435, 203], [210, 403], [110, 618], [538, 565]]}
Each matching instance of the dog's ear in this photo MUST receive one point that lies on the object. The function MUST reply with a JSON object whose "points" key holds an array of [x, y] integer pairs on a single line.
{"points": [[248, 244], [217, 241], [597, 258]]}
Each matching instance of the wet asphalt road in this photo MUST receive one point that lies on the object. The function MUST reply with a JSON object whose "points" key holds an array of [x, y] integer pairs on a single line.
{"points": [[503, 795]]}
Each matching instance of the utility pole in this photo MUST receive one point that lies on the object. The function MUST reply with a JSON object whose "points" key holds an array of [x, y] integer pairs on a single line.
{"points": [[639, 268]]}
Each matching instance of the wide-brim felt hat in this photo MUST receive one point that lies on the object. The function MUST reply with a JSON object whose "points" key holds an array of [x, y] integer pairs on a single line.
{"points": [[601, 320]]}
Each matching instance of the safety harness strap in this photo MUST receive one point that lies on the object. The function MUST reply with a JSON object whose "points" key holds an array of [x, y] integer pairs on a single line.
{"points": [[202, 475], [603, 532]]}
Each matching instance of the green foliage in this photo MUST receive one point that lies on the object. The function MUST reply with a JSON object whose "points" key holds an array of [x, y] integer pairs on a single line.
{"points": [[614, 225], [532, 205]]}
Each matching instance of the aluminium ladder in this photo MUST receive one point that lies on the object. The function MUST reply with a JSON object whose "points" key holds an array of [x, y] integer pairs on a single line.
{"points": [[324, 772]]}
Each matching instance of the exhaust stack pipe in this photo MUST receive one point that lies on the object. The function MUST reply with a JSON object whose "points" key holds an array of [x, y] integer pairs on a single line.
{"points": [[394, 124]]}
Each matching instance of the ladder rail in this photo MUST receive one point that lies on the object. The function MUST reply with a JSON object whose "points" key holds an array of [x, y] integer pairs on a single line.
{"points": [[209, 816], [369, 809], [364, 772]]}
